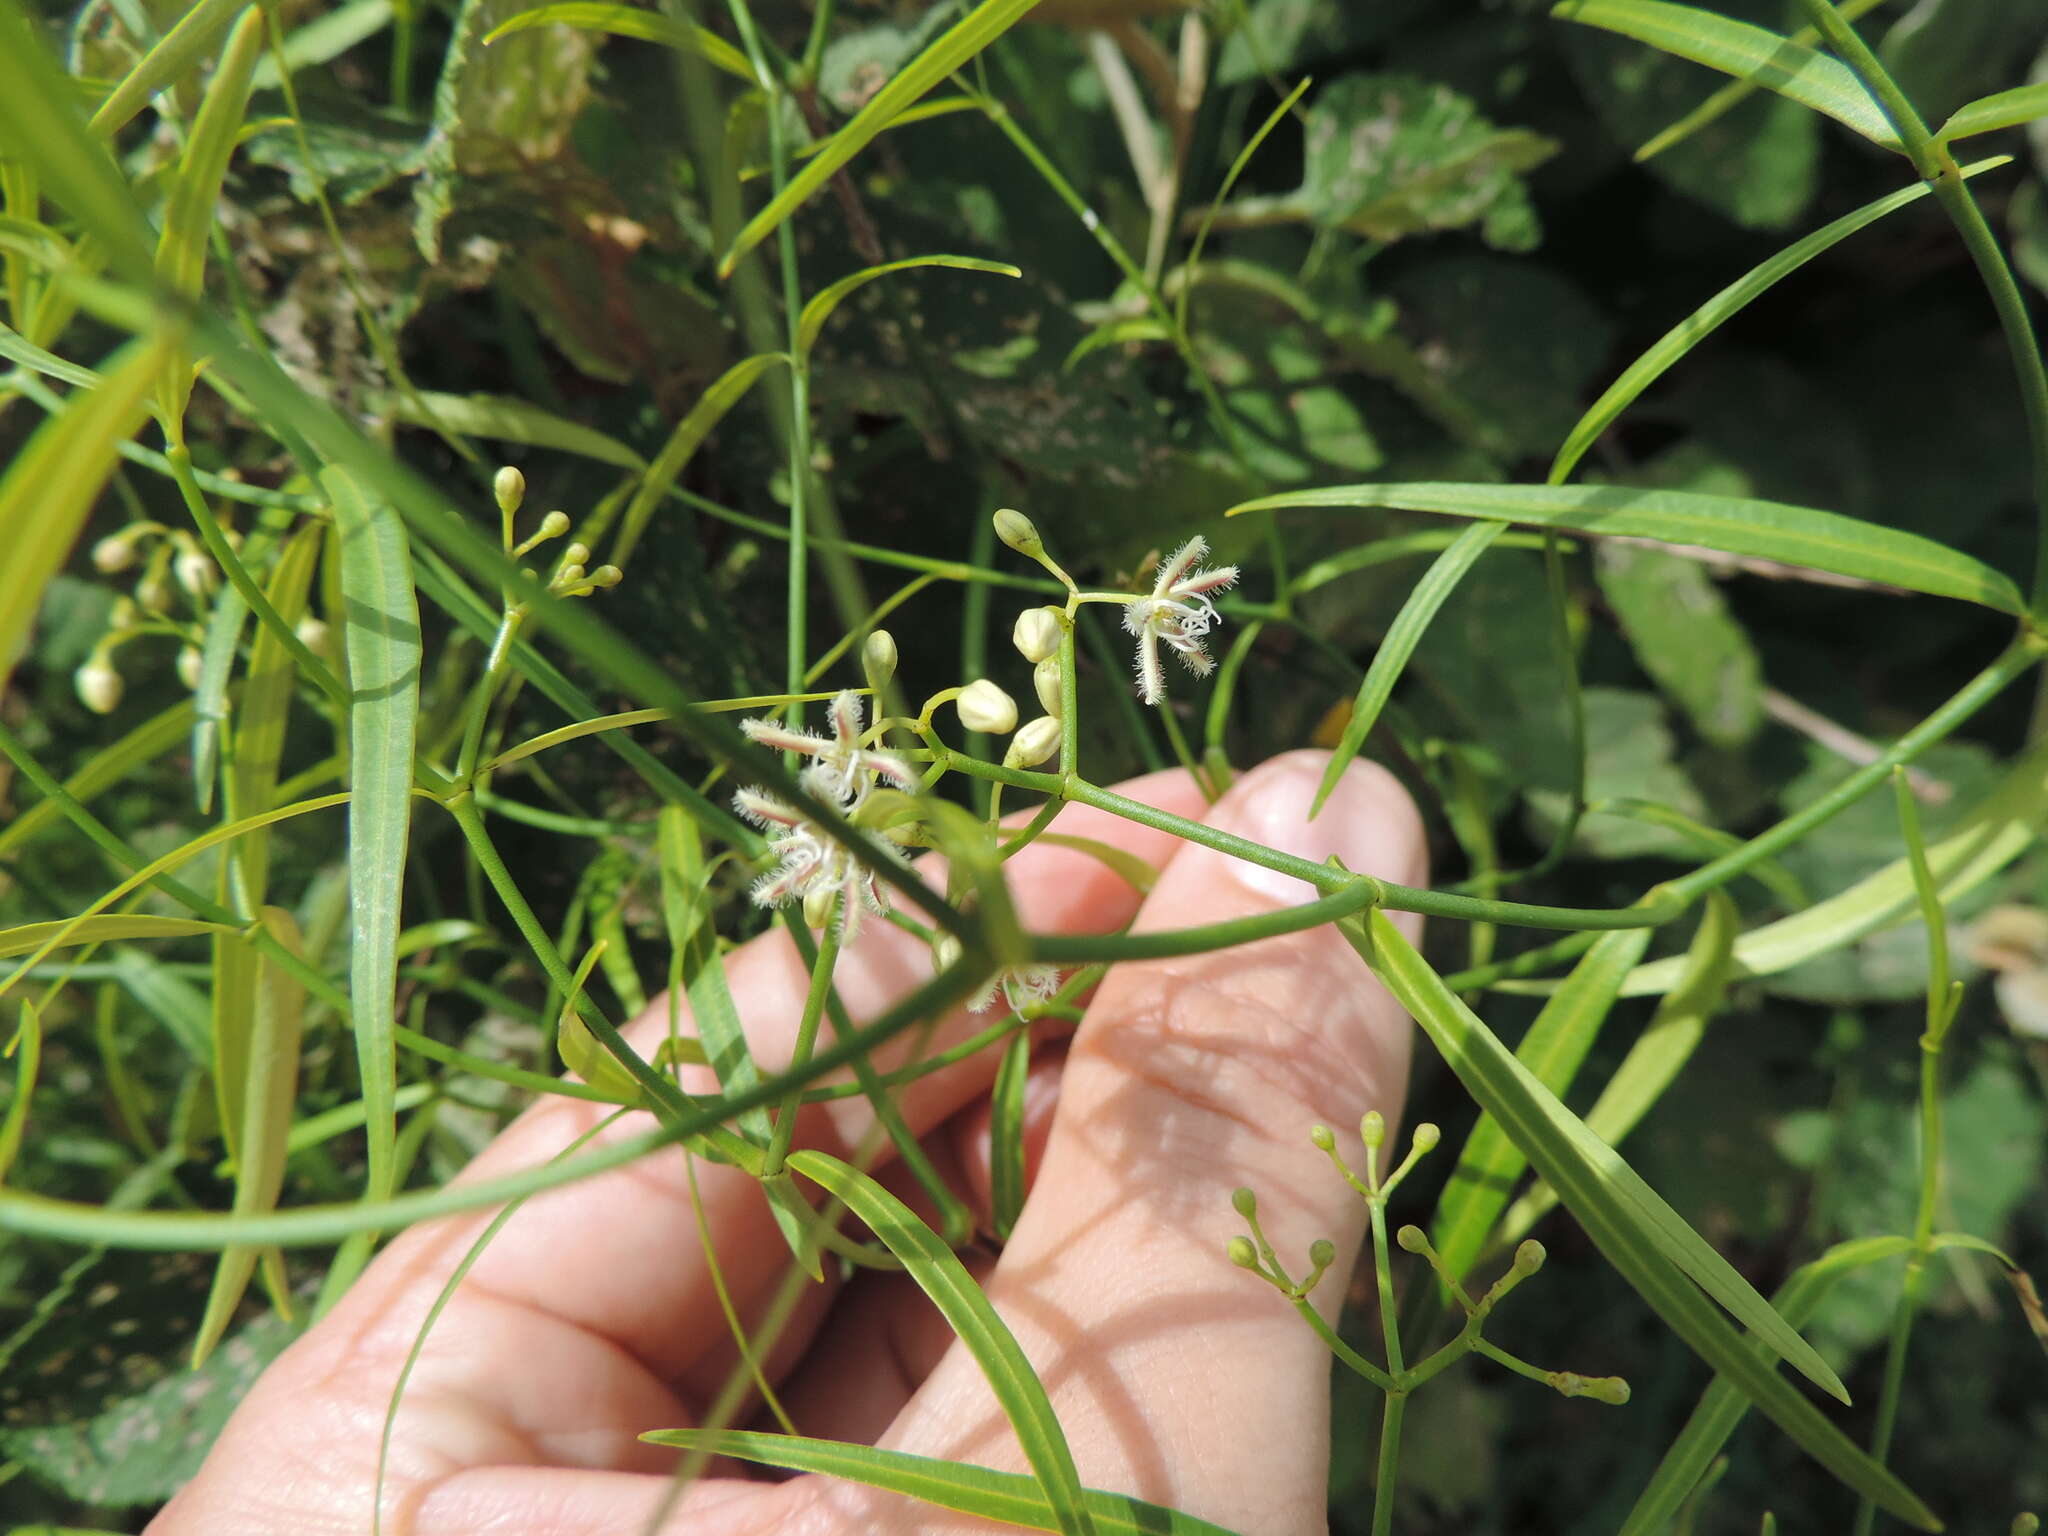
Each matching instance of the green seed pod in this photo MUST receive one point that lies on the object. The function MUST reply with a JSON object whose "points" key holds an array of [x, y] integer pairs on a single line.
{"points": [[1322, 1253]]}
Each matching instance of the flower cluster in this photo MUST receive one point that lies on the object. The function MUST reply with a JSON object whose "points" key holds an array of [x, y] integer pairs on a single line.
{"points": [[1178, 613], [811, 865]]}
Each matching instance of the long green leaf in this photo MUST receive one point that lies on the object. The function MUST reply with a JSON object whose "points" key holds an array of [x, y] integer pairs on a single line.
{"points": [[1988, 838], [1722, 1407], [266, 710], [1764, 530], [1988, 114], [31, 937], [1645, 1240], [178, 51], [942, 1277], [1006, 1135], [509, 420], [1403, 635], [631, 21], [27, 1050], [951, 49], [54, 481], [1659, 1053], [725, 392], [270, 1090], [1675, 343], [1553, 1049], [383, 645], [17, 348], [1009, 1497], [811, 322], [1750, 53]]}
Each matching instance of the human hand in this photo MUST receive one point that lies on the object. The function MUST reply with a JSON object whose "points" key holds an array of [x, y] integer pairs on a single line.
{"points": [[591, 1318]]}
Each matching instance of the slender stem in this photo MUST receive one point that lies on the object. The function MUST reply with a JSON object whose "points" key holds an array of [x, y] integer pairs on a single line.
{"points": [[806, 1042]]}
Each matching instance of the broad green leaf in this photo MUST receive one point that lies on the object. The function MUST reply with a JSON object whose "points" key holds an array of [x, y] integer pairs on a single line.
{"points": [[1675, 343], [1646, 1241], [941, 1276], [188, 214], [1766, 530], [509, 420], [1990, 837], [1006, 1135], [383, 645], [270, 1091], [689, 434], [54, 480], [811, 322], [1403, 635], [1776, 63], [27, 1050], [1552, 1051], [1722, 1407], [631, 21], [179, 50], [108, 766], [1009, 1497], [953, 48], [1988, 114], [1659, 1053]]}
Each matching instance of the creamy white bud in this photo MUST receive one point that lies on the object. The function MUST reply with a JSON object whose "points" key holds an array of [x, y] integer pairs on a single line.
{"points": [[945, 952], [189, 663], [878, 658], [1037, 741], [554, 525], [153, 592], [313, 634], [1036, 634], [985, 707], [818, 904], [98, 685], [509, 487], [114, 553], [1016, 530], [196, 573], [1045, 680]]}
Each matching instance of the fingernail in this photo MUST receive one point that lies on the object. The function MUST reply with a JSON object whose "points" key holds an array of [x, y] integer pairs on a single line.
{"points": [[1368, 824]]}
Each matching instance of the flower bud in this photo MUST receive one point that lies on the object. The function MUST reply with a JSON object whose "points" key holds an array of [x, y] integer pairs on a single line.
{"points": [[313, 634], [1529, 1257], [1323, 1137], [818, 903], [1322, 1253], [195, 572], [1244, 1202], [1242, 1253], [509, 487], [98, 685], [1036, 634], [1045, 678], [1372, 1130], [607, 576], [576, 554], [190, 665], [1039, 740], [985, 707], [946, 952], [153, 592], [569, 575], [1016, 530], [1427, 1136], [878, 659], [553, 526], [114, 553], [1410, 1237]]}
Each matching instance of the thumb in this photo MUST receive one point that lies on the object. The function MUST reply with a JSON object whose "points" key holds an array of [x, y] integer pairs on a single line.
{"points": [[1177, 1376]]}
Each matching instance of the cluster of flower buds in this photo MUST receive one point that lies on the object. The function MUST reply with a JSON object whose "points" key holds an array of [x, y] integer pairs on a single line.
{"points": [[167, 558], [572, 576]]}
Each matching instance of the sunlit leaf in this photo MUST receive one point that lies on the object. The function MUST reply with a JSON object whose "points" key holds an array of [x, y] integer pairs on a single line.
{"points": [[818, 309], [509, 420]]}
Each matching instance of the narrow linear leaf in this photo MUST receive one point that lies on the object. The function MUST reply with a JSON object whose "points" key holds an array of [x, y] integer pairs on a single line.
{"points": [[217, 656], [1403, 635], [942, 1277], [689, 434], [1117, 333], [383, 644], [1552, 1051], [581, 1053], [177, 52], [101, 930], [1646, 1241], [509, 420], [54, 481], [27, 1050], [811, 322], [266, 711], [1675, 343], [1127, 866], [725, 1045], [1006, 1134], [1987, 838], [951, 49], [1755, 54], [1988, 114], [270, 1090], [323, 38], [1009, 1497], [630, 21], [1765, 530], [1659, 1053], [18, 349], [1722, 1407]]}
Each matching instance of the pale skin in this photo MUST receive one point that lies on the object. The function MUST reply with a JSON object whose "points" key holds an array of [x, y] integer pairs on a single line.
{"points": [[591, 1318]]}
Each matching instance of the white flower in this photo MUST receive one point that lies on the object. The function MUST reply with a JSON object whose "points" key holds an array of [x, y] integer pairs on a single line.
{"points": [[841, 768], [1021, 986], [1178, 612]]}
